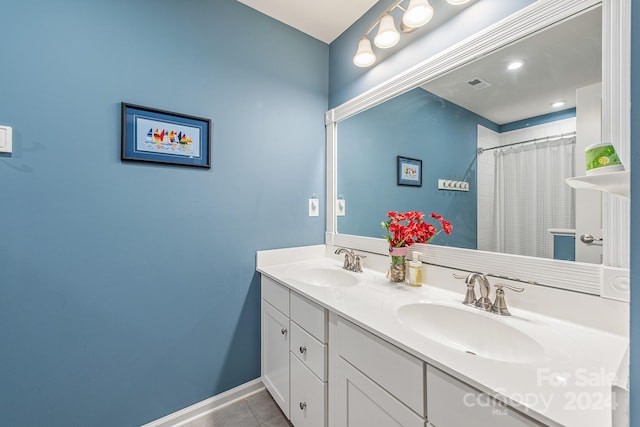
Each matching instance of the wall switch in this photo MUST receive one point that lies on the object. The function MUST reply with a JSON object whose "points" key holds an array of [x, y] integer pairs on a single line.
{"points": [[340, 207], [6, 145], [314, 207]]}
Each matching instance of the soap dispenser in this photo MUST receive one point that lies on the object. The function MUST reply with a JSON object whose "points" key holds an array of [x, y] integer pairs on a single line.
{"points": [[414, 278]]}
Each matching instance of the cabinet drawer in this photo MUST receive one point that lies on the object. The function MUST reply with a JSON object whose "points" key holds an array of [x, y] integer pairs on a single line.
{"points": [[452, 403], [395, 370], [311, 352], [308, 397], [276, 295], [310, 316]]}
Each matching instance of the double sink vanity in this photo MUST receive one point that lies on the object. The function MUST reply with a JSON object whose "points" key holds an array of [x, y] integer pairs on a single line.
{"points": [[349, 348]]}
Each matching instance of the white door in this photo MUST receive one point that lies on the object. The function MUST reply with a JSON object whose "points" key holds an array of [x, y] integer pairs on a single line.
{"points": [[275, 355], [588, 202], [359, 402]]}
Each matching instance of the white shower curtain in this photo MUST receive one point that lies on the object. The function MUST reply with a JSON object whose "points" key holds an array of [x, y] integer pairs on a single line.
{"points": [[531, 196]]}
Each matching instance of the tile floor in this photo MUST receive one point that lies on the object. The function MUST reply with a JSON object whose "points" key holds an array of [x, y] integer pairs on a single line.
{"points": [[258, 410]]}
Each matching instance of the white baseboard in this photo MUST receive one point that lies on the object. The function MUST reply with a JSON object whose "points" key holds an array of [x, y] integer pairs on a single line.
{"points": [[209, 405]]}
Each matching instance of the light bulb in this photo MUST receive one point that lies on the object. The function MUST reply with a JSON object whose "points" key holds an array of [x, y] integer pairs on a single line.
{"points": [[417, 14], [364, 56], [387, 35]]}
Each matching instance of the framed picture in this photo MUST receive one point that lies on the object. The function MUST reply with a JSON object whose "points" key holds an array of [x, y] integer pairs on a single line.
{"points": [[150, 135], [409, 171]]}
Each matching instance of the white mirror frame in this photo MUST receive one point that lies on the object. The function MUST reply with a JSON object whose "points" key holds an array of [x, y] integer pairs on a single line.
{"points": [[609, 280]]}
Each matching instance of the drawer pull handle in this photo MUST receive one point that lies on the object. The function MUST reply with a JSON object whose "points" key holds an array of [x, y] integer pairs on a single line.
{"points": [[303, 349], [283, 331], [303, 405]]}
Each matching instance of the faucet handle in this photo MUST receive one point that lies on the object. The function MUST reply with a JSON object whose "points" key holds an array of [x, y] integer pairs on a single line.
{"points": [[499, 286], [357, 266], [500, 305]]}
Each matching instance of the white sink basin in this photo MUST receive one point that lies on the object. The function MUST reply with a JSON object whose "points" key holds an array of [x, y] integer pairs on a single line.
{"points": [[325, 277], [475, 333]]}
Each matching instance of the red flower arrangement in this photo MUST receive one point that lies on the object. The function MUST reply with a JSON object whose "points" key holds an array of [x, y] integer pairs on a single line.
{"points": [[406, 229]]}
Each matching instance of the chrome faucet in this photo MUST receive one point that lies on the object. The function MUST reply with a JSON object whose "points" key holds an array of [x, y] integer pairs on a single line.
{"points": [[484, 303], [351, 259]]}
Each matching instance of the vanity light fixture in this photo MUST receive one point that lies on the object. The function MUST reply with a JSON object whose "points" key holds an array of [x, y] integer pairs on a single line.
{"points": [[364, 55], [415, 14], [514, 65], [387, 35], [558, 104]]}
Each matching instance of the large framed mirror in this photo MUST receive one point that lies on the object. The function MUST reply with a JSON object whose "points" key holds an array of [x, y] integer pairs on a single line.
{"points": [[471, 120]]}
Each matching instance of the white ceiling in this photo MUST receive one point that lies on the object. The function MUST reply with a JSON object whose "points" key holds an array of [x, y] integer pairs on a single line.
{"points": [[324, 20], [558, 60]]}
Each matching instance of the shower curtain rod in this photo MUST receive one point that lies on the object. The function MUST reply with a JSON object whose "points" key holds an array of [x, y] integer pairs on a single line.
{"points": [[546, 138]]}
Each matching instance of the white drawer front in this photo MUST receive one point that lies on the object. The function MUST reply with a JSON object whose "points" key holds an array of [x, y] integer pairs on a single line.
{"points": [[395, 370], [308, 397], [310, 316], [452, 403], [276, 295], [309, 350]]}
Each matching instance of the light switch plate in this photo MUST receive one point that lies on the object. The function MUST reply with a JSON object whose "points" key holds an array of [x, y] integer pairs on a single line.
{"points": [[340, 207], [6, 144], [314, 207]]}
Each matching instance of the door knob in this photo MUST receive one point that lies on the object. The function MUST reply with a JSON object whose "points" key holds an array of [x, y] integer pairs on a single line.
{"points": [[589, 239]]}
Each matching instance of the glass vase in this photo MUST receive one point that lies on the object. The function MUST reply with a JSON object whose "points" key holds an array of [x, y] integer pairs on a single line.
{"points": [[397, 264]]}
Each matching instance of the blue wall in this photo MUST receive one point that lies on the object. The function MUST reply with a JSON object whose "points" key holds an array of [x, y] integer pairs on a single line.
{"points": [[635, 211], [417, 125], [127, 290]]}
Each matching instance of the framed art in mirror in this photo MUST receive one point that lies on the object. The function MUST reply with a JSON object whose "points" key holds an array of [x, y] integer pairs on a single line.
{"points": [[409, 171]]}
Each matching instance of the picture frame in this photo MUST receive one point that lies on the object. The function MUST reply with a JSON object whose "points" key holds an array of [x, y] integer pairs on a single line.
{"points": [[158, 136], [409, 171]]}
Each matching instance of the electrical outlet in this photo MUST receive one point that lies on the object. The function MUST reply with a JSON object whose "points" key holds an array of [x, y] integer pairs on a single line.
{"points": [[314, 207]]}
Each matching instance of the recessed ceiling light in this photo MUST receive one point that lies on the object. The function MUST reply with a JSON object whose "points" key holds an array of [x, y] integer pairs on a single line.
{"points": [[558, 104], [514, 65]]}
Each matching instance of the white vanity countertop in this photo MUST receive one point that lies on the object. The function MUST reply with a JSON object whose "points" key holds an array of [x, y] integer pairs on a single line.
{"points": [[571, 386]]}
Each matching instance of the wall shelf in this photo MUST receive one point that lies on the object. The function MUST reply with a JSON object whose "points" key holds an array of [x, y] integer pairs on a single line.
{"points": [[612, 182]]}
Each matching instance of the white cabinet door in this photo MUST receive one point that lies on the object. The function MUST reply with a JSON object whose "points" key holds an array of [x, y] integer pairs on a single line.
{"points": [[308, 396], [359, 402], [275, 355], [452, 403]]}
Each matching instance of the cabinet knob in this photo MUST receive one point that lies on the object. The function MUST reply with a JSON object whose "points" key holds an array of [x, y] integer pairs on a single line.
{"points": [[283, 331], [303, 349], [303, 405]]}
